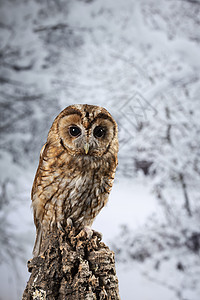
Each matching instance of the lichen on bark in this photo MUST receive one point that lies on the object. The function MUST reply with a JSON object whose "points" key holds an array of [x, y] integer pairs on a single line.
{"points": [[72, 268]]}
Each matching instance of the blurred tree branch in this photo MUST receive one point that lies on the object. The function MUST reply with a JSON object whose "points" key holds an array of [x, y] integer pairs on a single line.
{"points": [[185, 192]]}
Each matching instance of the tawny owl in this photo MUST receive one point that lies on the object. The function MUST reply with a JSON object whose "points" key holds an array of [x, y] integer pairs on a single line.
{"points": [[76, 170]]}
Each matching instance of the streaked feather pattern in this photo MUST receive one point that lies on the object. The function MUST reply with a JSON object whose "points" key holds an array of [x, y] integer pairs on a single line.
{"points": [[70, 184]]}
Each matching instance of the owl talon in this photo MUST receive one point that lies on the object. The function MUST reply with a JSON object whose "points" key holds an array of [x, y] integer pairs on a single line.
{"points": [[86, 232], [98, 234], [89, 233], [69, 222], [59, 225]]}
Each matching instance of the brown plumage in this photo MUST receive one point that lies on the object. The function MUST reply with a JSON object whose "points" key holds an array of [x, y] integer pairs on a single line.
{"points": [[76, 170]]}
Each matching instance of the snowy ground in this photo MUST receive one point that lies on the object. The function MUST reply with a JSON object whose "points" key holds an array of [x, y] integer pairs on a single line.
{"points": [[135, 285], [130, 203]]}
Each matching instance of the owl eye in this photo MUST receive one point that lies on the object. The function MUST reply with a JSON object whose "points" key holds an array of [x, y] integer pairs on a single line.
{"points": [[74, 131], [99, 132]]}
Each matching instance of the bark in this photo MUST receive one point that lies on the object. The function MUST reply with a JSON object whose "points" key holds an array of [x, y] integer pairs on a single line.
{"points": [[72, 268]]}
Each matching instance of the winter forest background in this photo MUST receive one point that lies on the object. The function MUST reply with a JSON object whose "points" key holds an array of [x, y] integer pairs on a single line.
{"points": [[140, 59]]}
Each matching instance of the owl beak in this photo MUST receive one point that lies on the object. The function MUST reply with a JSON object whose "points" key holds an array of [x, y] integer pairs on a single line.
{"points": [[86, 148]]}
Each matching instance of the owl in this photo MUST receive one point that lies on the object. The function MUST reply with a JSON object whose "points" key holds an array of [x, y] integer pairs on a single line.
{"points": [[76, 170]]}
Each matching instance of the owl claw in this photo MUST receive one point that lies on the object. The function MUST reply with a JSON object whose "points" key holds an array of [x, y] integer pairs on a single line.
{"points": [[69, 222], [88, 232], [98, 234], [85, 232], [59, 225]]}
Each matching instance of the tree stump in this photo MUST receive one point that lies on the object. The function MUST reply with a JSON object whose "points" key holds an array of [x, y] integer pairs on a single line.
{"points": [[72, 268]]}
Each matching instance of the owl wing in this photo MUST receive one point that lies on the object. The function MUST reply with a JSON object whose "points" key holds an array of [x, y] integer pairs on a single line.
{"points": [[38, 240], [42, 150]]}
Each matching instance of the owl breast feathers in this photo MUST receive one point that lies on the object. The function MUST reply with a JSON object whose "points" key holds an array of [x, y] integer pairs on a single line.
{"points": [[76, 169]]}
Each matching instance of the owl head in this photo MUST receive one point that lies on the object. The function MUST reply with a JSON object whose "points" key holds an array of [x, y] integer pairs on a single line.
{"points": [[85, 130]]}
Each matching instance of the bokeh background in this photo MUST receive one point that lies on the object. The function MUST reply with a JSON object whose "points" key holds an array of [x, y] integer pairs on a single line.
{"points": [[140, 59]]}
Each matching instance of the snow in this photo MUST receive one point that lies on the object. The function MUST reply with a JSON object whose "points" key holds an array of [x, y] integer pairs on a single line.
{"points": [[129, 203], [134, 284]]}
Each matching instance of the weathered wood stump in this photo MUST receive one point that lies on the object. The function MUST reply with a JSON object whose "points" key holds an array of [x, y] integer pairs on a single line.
{"points": [[72, 268]]}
